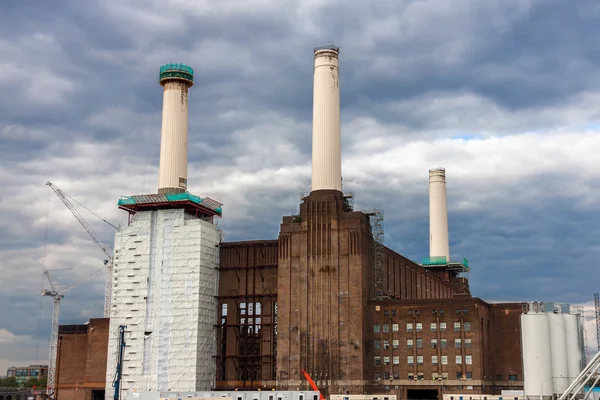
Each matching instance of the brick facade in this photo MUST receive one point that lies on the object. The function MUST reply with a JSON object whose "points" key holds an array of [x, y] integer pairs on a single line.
{"points": [[305, 301], [81, 364]]}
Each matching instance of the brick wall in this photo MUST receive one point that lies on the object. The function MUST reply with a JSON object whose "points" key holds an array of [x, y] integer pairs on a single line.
{"points": [[81, 360]]}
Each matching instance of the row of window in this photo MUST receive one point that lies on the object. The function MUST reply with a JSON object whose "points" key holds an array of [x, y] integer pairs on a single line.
{"points": [[444, 375], [410, 343], [418, 327], [411, 360], [421, 376]]}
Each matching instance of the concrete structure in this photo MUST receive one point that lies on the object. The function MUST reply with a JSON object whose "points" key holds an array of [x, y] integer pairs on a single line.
{"points": [[326, 136], [166, 269], [176, 80], [439, 245], [81, 365]]}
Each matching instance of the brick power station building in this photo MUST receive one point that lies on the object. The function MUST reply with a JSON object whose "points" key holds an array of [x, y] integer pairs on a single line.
{"points": [[326, 296]]}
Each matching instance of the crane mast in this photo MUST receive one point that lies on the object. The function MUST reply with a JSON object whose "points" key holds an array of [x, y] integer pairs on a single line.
{"points": [[109, 261], [57, 296]]}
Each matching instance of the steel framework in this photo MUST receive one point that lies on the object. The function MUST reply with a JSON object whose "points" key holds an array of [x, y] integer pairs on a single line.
{"points": [[109, 261], [57, 295], [378, 250]]}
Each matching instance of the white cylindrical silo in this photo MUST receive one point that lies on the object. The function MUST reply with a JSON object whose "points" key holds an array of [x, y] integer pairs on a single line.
{"points": [[438, 215], [537, 360], [176, 79], [560, 373], [572, 345], [326, 138]]}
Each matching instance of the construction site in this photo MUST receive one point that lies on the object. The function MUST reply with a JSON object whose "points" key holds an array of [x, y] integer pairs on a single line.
{"points": [[323, 310]]}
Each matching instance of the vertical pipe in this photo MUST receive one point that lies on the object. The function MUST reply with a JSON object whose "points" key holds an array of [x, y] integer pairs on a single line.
{"points": [[438, 215], [326, 140]]}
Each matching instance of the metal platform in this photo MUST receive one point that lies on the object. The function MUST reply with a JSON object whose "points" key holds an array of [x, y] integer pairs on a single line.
{"points": [[193, 204], [443, 263]]}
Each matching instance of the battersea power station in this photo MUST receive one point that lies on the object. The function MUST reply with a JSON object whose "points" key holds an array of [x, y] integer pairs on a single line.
{"points": [[189, 312]]}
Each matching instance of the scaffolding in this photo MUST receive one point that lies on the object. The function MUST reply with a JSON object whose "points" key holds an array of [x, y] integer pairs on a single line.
{"points": [[378, 251], [597, 309]]}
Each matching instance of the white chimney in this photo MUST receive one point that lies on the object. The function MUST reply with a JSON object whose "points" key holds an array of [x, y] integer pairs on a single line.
{"points": [[326, 141], [176, 79], [438, 214]]}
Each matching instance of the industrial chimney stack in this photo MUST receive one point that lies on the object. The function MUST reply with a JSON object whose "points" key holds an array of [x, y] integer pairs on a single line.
{"points": [[438, 215], [176, 80], [326, 141]]}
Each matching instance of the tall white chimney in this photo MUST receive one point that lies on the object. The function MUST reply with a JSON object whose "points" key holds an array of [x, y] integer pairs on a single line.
{"points": [[176, 79], [438, 214], [326, 141]]}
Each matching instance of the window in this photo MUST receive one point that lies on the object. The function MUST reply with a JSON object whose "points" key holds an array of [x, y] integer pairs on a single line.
{"points": [[467, 327], [444, 375], [468, 343], [409, 343], [386, 375], [419, 359], [457, 327], [386, 344], [433, 326], [396, 360], [377, 344], [411, 376], [444, 343], [512, 377], [469, 376], [409, 327], [377, 360], [376, 328], [434, 343], [468, 360], [459, 376], [434, 359], [396, 375], [499, 377], [420, 376], [395, 343], [442, 327], [419, 343], [386, 360], [419, 327], [395, 328], [377, 376], [410, 360], [457, 343], [386, 328], [458, 359]]}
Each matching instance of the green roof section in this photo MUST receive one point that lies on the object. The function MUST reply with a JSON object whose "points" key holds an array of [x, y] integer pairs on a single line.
{"points": [[442, 261], [176, 71], [157, 199]]}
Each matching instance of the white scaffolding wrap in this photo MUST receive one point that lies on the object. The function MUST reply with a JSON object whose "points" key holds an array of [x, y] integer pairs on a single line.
{"points": [[165, 287]]}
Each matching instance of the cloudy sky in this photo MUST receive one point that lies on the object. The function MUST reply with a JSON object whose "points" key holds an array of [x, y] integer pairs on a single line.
{"points": [[504, 94]]}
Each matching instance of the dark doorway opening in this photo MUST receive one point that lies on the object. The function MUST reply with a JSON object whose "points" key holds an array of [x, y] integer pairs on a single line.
{"points": [[422, 394], [97, 394]]}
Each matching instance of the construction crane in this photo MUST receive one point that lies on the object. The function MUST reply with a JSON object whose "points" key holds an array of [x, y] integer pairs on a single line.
{"points": [[109, 261], [597, 306], [312, 384], [57, 295]]}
